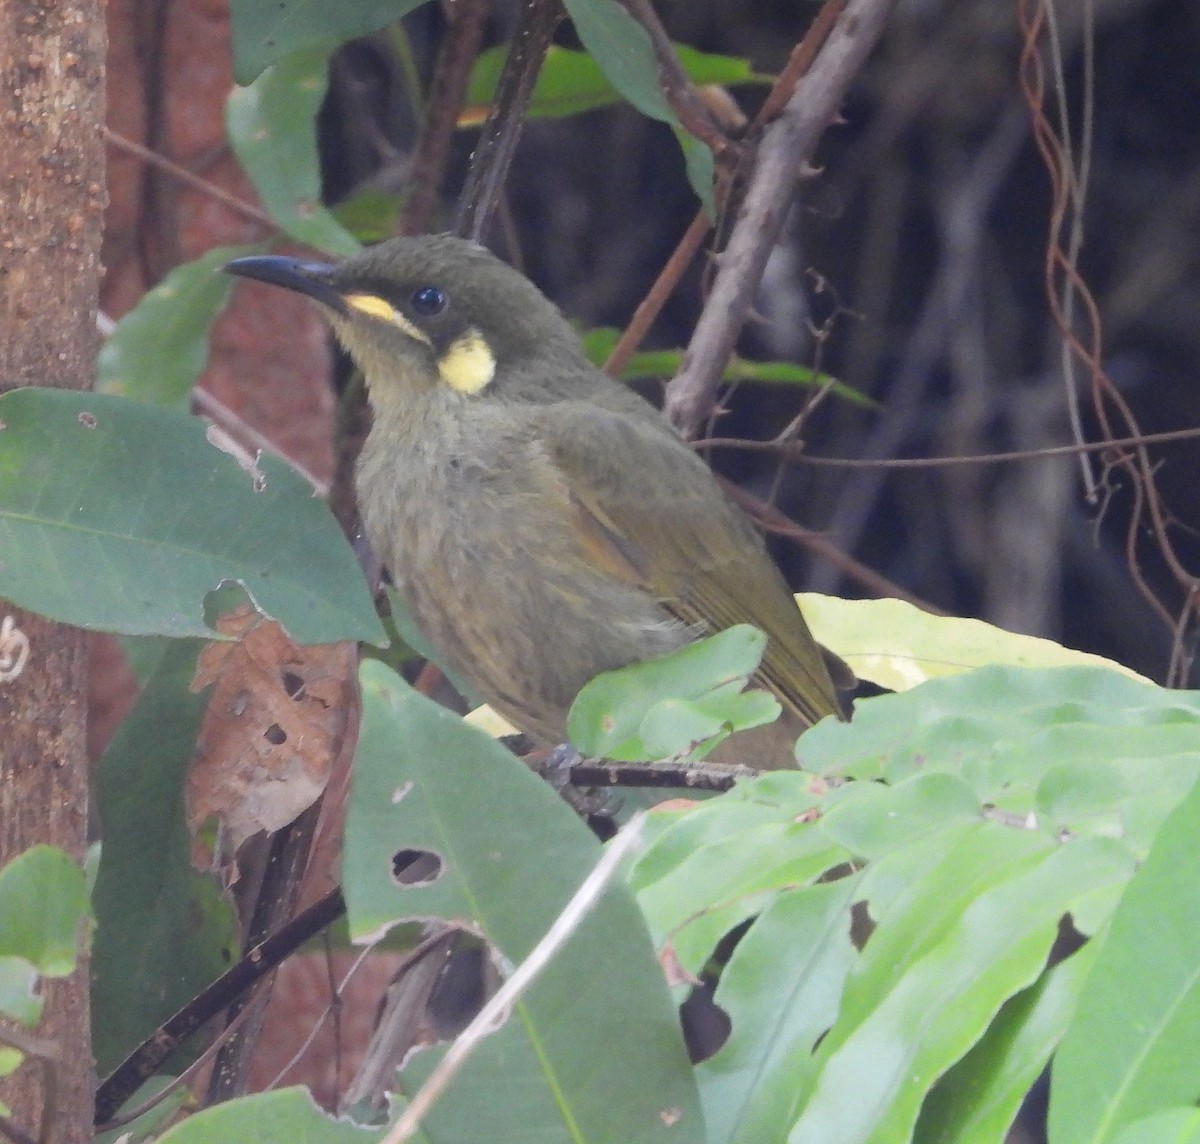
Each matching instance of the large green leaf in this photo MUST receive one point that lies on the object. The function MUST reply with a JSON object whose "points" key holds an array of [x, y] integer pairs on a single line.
{"points": [[1082, 749], [781, 991], [263, 33], [946, 955], [1174, 1126], [972, 814], [593, 1051], [977, 1101], [723, 863], [1133, 1049], [897, 645], [118, 516], [165, 931], [272, 126], [161, 346]]}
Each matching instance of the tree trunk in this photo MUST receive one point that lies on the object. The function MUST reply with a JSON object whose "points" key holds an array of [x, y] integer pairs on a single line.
{"points": [[52, 173]]}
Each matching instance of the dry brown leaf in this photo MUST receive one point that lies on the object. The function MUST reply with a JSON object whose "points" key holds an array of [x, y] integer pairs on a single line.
{"points": [[274, 725]]}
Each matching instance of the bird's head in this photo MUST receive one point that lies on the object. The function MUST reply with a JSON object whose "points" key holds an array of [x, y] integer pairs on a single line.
{"points": [[433, 311]]}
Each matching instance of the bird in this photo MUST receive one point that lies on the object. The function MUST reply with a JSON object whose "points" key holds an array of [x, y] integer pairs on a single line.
{"points": [[543, 522]]}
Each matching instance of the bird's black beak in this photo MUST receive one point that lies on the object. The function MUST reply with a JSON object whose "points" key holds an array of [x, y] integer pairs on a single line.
{"points": [[311, 278]]}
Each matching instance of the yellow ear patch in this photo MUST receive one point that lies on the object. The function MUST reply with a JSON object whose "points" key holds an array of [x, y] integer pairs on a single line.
{"points": [[468, 365]]}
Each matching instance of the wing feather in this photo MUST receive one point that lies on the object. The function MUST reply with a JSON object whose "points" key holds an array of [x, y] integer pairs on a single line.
{"points": [[649, 513]]}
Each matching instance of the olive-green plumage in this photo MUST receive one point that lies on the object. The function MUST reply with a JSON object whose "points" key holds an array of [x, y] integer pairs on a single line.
{"points": [[543, 522]]}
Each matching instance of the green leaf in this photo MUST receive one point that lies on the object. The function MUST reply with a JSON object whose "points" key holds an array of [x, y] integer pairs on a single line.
{"points": [[165, 931], [870, 819], [263, 34], [272, 126], [723, 862], [615, 713], [572, 82], [780, 990], [118, 516], [161, 346], [286, 1116], [1132, 1050], [594, 1047], [1173, 1126], [977, 1101], [677, 726], [991, 805], [896, 645], [622, 48], [946, 954], [371, 215], [43, 911], [599, 342], [1030, 742], [43, 904]]}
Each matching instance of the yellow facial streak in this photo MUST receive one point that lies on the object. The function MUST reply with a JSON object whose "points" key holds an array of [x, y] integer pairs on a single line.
{"points": [[375, 307], [468, 365]]}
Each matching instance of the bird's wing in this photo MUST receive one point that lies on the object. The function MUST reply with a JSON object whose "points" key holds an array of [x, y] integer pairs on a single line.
{"points": [[648, 511]]}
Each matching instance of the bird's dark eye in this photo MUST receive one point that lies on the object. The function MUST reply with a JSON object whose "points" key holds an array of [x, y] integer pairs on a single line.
{"points": [[428, 300]]}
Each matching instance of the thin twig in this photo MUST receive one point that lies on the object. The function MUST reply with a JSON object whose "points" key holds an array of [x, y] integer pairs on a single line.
{"points": [[670, 275], [238, 428], [798, 62], [664, 285], [335, 993], [506, 118], [788, 143], [795, 451], [495, 1011], [447, 92], [183, 175], [688, 776], [690, 109]]}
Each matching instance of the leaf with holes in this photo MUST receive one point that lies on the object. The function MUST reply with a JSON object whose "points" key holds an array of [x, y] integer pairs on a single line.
{"points": [[275, 724], [594, 1047]]}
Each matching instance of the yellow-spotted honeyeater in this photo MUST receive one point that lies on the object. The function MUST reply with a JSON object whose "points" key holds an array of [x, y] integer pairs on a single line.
{"points": [[543, 522]]}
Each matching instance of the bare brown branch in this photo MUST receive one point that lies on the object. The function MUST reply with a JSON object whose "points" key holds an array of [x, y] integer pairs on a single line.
{"points": [[689, 107], [788, 144], [446, 94]]}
